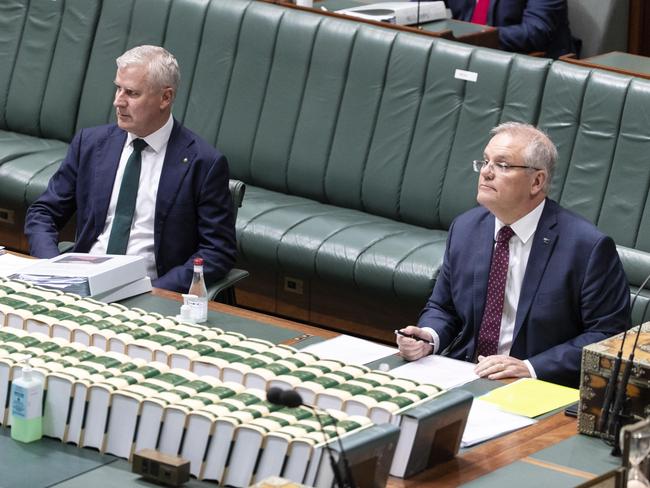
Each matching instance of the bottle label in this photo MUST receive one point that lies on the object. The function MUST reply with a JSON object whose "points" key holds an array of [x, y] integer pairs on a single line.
{"points": [[26, 402], [199, 308]]}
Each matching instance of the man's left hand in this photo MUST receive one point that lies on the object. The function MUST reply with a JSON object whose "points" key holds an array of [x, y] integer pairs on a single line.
{"points": [[498, 367]]}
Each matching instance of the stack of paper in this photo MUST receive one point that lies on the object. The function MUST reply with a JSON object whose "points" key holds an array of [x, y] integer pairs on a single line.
{"points": [[441, 371], [107, 277], [486, 421]]}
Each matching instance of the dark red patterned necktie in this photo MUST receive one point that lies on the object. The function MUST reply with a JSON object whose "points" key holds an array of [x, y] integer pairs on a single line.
{"points": [[480, 14], [488, 338]]}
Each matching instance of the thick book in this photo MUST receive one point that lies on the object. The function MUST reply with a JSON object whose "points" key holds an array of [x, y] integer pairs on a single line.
{"points": [[309, 389], [361, 404], [77, 411], [126, 408], [173, 428], [387, 410], [97, 412], [220, 445], [200, 421], [249, 438], [275, 458], [85, 274], [306, 453], [431, 433]]}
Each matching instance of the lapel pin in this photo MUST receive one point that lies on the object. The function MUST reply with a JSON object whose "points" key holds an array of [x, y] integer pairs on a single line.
{"points": [[185, 160], [546, 240]]}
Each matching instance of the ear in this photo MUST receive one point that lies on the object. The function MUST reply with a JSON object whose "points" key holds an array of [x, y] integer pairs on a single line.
{"points": [[538, 183], [166, 98]]}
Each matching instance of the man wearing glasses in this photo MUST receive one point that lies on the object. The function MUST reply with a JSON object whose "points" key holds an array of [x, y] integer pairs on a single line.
{"points": [[524, 283]]}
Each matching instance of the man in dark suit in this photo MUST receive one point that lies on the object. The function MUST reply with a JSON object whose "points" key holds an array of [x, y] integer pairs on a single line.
{"points": [[524, 25], [145, 186], [524, 283]]}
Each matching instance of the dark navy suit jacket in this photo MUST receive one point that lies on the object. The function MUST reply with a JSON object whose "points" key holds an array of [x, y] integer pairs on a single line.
{"points": [[193, 215], [574, 292], [525, 25]]}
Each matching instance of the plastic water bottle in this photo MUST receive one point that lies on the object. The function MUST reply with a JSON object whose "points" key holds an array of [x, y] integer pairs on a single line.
{"points": [[27, 407], [198, 300]]}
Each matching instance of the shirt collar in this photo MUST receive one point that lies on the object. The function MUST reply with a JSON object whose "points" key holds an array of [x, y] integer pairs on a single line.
{"points": [[156, 140], [525, 227]]}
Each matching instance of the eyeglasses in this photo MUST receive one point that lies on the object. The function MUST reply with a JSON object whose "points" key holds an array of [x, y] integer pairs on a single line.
{"points": [[498, 166]]}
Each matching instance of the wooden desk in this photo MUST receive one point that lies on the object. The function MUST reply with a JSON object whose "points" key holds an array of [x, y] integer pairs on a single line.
{"points": [[491, 455], [617, 61], [457, 30]]}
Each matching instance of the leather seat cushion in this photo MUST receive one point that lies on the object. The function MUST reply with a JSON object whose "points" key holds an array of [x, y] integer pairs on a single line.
{"points": [[345, 246]]}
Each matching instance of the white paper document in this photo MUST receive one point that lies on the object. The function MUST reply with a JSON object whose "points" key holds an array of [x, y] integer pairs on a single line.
{"points": [[441, 371], [486, 421], [350, 350], [10, 263]]}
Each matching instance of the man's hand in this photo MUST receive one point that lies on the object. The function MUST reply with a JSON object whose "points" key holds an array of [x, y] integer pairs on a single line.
{"points": [[412, 349], [498, 367]]}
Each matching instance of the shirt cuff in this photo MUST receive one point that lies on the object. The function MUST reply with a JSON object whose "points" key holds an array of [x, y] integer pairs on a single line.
{"points": [[435, 338], [531, 370]]}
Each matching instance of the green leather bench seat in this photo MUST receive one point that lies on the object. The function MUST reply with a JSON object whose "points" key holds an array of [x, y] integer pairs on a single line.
{"points": [[355, 141], [345, 246]]}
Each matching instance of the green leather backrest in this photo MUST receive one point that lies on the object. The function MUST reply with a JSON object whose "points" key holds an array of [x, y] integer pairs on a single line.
{"points": [[350, 114], [176, 25], [601, 124], [122, 24], [45, 46], [508, 88], [12, 20]]}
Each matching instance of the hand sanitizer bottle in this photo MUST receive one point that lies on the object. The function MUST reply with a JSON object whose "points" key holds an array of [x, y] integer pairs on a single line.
{"points": [[199, 300], [27, 407]]}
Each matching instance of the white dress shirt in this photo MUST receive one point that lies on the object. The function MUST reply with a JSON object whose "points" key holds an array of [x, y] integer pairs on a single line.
{"points": [[519, 246], [141, 236]]}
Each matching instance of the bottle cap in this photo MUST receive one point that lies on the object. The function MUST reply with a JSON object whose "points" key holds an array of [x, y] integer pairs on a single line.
{"points": [[198, 261], [27, 369]]}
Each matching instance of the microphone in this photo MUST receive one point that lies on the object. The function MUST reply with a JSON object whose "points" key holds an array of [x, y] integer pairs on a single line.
{"points": [[292, 399], [619, 391], [285, 398]]}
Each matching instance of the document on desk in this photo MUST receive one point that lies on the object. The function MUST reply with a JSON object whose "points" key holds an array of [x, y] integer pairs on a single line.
{"points": [[441, 371], [487, 421], [10, 264], [531, 397], [351, 350]]}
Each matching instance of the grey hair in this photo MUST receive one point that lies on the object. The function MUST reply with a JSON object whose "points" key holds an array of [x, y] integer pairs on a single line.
{"points": [[162, 67], [540, 152]]}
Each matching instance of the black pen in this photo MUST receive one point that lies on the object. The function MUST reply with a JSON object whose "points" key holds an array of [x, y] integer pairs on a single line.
{"points": [[417, 338]]}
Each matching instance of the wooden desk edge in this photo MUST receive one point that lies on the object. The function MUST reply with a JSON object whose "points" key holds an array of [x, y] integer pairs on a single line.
{"points": [[249, 314], [587, 64]]}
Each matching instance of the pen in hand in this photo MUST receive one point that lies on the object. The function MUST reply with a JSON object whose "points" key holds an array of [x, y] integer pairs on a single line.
{"points": [[410, 336]]}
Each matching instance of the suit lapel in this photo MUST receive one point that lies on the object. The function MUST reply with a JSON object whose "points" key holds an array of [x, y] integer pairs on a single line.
{"points": [[491, 19], [485, 238], [542, 248], [105, 171], [179, 157]]}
